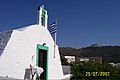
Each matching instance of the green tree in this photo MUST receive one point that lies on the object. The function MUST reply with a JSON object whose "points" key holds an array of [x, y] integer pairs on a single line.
{"points": [[93, 70], [64, 60]]}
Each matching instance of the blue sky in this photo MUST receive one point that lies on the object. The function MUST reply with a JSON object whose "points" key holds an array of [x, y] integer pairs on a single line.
{"points": [[80, 22]]}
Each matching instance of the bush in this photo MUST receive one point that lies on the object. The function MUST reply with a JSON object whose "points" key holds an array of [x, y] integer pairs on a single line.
{"points": [[93, 70]]}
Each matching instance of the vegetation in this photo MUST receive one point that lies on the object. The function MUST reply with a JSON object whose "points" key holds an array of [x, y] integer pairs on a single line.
{"points": [[95, 71], [64, 60]]}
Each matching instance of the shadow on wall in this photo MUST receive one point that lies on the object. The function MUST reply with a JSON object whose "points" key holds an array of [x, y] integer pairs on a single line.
{"points": [[4, 38], [27, 74]]}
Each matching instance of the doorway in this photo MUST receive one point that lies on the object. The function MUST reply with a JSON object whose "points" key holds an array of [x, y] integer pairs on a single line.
{"points": [[42, 61]]}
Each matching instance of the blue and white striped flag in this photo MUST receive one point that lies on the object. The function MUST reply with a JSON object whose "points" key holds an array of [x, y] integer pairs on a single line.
{"points": [[53, 28]]}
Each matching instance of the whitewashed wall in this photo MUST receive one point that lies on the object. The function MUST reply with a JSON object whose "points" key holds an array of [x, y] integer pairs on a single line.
{"points": [[22, 46]]}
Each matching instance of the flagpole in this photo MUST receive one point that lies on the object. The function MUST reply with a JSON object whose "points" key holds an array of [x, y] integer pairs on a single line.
{"points": [[55, 38], [56, 32]]}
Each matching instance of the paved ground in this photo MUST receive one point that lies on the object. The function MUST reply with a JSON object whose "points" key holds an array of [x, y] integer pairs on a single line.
{"points": [[5, 78], [66, 69]]}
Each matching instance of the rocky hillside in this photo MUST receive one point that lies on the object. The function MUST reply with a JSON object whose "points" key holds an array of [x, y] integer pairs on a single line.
{"points": [[108, 53]]}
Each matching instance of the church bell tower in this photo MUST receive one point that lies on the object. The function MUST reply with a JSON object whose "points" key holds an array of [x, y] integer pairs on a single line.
{"points": [[42, 16]]}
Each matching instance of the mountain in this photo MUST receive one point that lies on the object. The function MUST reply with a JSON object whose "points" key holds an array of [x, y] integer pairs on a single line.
{"points": [[108, 53]]}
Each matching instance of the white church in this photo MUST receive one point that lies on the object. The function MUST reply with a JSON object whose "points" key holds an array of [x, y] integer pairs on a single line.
{"points": [[31, 44]]}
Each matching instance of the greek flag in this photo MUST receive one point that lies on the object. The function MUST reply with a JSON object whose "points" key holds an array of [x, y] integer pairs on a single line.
{"points": [[53, 28]]}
